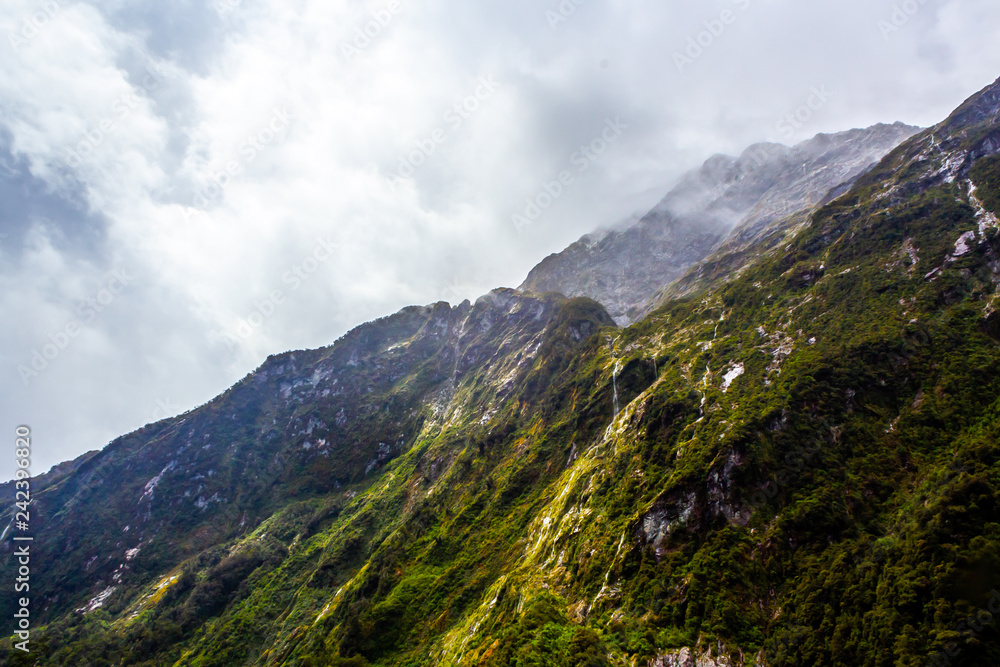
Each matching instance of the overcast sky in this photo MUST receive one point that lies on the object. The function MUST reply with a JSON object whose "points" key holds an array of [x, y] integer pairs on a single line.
{"points": [[167, 170]]}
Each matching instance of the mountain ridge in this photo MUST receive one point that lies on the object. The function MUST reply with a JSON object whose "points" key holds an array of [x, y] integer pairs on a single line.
{"points": [[797, 465], [745, 195]]}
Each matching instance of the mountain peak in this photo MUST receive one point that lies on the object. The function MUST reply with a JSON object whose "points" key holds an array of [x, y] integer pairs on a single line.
{"points": [[625, 269], [518, 482], [983, 107]]}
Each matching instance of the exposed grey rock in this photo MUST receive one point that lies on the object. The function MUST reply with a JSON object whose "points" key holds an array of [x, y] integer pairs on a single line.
{"points": [[743, 197], [712, 656]]}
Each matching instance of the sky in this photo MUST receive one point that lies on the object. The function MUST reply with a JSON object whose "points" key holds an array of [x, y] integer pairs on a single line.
{"points": [[188, 187]]}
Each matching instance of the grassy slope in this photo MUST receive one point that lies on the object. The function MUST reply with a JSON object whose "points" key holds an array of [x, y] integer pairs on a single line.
{"points": [[835, 505]]}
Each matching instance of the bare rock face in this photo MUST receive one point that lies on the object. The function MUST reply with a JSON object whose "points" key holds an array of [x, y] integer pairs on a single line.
{"points": [[624, 270], [716, 656]]}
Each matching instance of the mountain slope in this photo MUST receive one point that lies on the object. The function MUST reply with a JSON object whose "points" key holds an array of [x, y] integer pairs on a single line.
{"points": [[727, 196], [799, 467]]}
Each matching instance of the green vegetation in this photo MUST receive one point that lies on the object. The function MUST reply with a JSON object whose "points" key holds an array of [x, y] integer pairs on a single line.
{"points": [[804, 469]]}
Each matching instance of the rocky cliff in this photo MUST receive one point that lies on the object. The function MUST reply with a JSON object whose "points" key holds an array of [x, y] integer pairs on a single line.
{"points": [[727, 199]]}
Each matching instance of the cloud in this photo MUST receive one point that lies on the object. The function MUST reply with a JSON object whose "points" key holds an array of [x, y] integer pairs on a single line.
{"points": [[237, 159]]}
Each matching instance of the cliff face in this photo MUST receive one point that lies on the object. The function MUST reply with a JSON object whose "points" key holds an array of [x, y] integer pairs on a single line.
{"points": [[799, 467], [306, 422], [727, 198]]}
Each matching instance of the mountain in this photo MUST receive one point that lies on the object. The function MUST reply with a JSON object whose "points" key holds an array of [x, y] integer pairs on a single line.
{"points": [[798, 466], [727, 196]]}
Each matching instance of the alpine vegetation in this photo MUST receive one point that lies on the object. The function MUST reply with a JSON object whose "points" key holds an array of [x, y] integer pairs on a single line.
{"points": [[760, 427]]}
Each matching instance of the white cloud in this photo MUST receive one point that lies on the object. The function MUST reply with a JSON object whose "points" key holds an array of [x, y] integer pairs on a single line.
{"points": [[206, 258]]}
